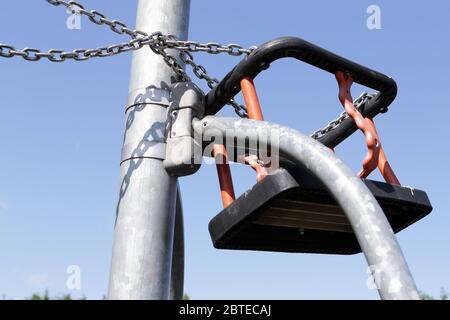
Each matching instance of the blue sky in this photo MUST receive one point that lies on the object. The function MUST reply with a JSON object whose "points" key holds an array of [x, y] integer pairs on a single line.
{"points": [[61, 129]]}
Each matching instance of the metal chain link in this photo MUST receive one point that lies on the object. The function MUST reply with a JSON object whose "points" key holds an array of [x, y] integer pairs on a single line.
{"points": [[138, 41], [157, 42], [358, 103], [201, 73]]}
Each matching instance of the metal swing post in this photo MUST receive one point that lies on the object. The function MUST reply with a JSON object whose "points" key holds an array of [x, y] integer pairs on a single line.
{"points": [[145, 222]]}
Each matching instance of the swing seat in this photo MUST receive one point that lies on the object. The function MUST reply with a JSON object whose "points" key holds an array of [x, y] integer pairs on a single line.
{"points": [[291, 211]]}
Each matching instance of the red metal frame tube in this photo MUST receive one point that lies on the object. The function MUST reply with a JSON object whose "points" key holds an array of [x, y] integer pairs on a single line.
{"points": [[224, 174], [251, 99]]}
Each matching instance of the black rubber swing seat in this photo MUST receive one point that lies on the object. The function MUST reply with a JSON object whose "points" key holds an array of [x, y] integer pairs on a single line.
{"points": [[291, 211]]}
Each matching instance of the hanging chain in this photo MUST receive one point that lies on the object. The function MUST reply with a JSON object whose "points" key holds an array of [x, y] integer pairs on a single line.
{"points": [[157, 42], [358, 103]]}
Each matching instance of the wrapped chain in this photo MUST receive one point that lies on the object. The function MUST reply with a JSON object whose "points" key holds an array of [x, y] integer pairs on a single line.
{"points": [[157, 42]]}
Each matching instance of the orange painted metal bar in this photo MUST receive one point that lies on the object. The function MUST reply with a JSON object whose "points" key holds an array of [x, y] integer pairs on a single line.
{"points": [[386, 169], [220, 153], [376, 157], [383, 164], [251, 99], [370, 161], [261, 171], [255, 113], [224, 174]]}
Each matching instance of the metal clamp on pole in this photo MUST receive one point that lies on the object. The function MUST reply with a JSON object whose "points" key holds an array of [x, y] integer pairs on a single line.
{"points": [[183, 153]]}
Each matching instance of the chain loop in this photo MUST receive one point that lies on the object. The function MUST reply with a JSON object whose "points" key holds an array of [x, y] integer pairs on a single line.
{"points": [[31, 54], [9, 53]]}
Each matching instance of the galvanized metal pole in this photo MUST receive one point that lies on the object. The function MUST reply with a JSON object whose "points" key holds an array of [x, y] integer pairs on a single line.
{"points": [[177, 276], [373, 231], [144, 230]]}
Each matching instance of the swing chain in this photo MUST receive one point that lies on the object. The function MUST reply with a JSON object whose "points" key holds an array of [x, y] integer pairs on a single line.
{"points": [[358, 103]]}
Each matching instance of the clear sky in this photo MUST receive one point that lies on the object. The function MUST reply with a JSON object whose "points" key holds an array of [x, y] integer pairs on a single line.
{"points": [[61, 128]]}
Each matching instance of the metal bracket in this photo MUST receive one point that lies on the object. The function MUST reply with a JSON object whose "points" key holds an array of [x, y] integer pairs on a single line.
{"points": [[183, 152]]}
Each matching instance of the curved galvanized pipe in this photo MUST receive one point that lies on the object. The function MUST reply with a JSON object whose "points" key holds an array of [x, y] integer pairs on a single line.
{"points": [[373, 231]]}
